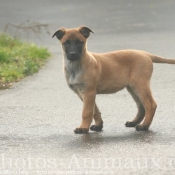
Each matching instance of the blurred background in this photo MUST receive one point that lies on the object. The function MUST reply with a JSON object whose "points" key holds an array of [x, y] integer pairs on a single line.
{"points": [[123, 23]]}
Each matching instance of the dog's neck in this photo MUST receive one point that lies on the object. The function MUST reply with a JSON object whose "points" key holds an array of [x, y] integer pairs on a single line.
{"points": [[72, 69]]}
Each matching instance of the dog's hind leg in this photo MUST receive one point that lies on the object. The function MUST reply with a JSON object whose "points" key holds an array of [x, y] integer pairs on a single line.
{"points": [[145, 96], [98, 120], [141, 111]]}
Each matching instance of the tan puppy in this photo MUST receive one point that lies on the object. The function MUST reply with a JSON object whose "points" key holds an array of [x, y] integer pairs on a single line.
{"points": [[88, 74]]}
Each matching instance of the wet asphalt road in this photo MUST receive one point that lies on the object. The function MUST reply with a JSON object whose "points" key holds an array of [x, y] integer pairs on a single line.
{"points": [[38, 115]]}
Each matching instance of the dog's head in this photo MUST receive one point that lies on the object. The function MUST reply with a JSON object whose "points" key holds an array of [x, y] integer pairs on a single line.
{"points": [[73, 41]]}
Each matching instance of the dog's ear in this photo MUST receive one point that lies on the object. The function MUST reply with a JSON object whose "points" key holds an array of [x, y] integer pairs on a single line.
{"points": [[85, 31], [59, 33]]}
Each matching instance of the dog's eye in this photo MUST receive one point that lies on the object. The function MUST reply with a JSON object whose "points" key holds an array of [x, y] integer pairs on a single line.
{"points": [[67, 43], [78, 42]]}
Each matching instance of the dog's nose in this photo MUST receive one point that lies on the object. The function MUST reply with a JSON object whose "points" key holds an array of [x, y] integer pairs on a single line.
{"points": [[73, 54]]}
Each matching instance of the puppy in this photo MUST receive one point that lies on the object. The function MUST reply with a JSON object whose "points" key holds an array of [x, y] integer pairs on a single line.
{"points": [[88, 74]]}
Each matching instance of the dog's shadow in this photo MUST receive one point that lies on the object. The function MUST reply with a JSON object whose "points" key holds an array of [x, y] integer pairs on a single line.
{"points": [[99, 138]]}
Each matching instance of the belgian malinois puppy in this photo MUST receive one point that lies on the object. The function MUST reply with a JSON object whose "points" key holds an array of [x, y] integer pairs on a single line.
{"points": [[88, 74]]}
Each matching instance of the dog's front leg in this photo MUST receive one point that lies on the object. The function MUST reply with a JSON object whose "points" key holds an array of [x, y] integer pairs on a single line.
{"points": [[98, 120], [88, 111]]}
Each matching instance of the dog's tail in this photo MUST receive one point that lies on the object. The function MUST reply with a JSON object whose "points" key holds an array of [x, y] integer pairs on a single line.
{"points": [[157, 59]]}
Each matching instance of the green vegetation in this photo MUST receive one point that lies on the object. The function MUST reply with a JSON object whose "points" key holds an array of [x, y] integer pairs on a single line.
{"points": [[18, 59]]}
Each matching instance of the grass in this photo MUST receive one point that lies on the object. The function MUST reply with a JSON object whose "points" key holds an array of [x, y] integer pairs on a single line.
{"points": [[18, 60]]}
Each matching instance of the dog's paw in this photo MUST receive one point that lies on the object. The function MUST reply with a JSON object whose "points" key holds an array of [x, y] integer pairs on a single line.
{"points": [[81, 131], [141, 128], [96, 128], [130, 124]]}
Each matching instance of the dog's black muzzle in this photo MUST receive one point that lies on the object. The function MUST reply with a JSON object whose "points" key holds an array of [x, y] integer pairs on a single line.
{"points": [[73, 56], [73, 49]]}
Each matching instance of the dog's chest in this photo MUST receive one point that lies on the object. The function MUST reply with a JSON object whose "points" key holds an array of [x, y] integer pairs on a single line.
{"points": [[74, 77]]}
